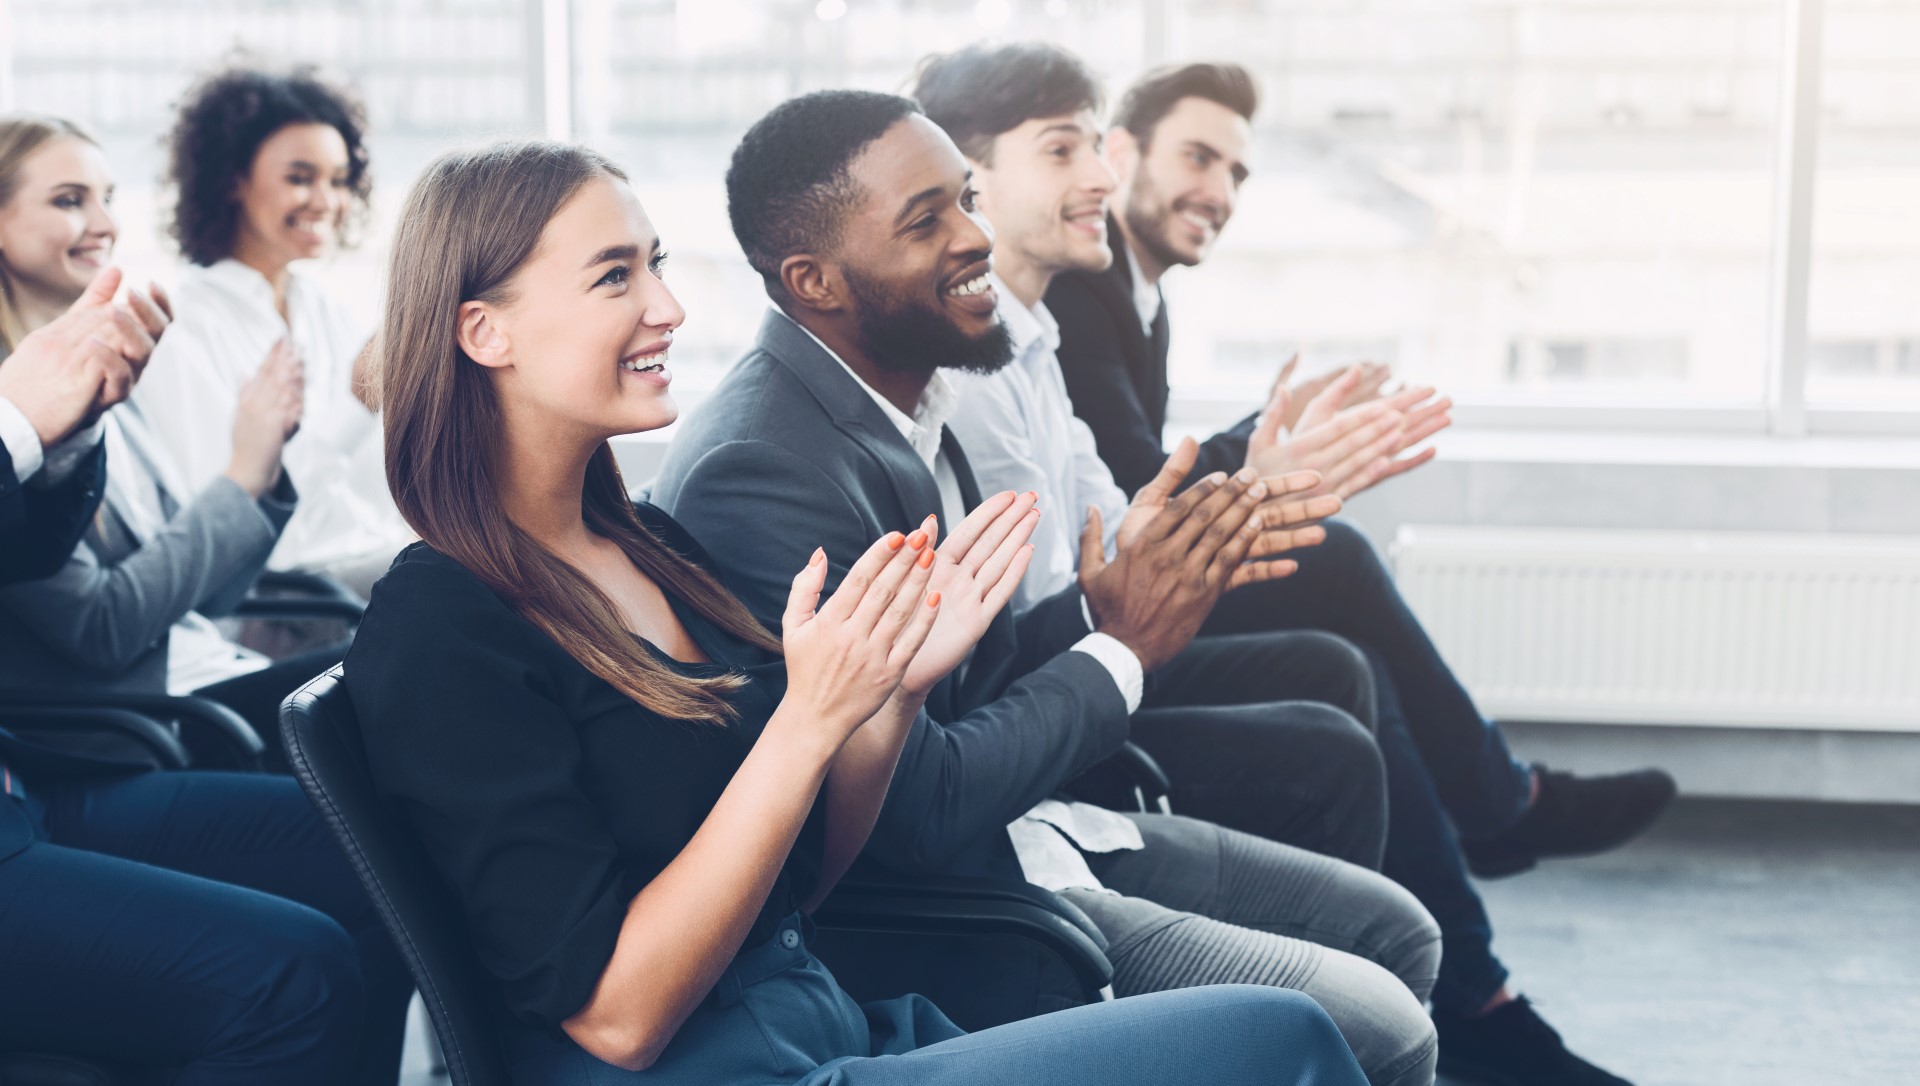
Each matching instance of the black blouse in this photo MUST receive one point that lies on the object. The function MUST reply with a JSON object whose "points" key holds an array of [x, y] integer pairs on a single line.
{"points": [[545, 797]]}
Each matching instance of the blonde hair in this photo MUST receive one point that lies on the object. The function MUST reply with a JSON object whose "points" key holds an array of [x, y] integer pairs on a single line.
{"points": [[20, 136], [470, 223]]}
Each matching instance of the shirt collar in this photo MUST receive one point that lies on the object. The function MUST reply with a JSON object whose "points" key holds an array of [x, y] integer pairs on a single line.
{"points": [[1146, 296], [930, 416], [1027, 326]]}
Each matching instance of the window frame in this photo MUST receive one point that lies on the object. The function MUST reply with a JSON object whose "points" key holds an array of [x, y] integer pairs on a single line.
{"points": [[1785, 411]]}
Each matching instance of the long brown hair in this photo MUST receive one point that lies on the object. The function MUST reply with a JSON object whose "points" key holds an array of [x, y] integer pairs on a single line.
{"points": [[471, 221], [20, 136]]}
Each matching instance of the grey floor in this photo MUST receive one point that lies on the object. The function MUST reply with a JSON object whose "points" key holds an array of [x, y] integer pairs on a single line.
{"points": [[1741, 942]]}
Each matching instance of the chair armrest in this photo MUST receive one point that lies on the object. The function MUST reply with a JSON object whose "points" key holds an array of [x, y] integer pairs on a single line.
{"points": [[167, 750], [223, 727], [306, 584], [1152, 788], [290, 607], [969, 906]]}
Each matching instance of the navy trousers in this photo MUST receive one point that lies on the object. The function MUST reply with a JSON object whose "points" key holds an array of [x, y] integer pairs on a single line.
{"points": [[194, 928], [1449, 770]]}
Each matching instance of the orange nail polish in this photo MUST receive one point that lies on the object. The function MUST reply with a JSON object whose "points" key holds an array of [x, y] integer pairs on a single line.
{"points": [[933, 600], [917, 540], [894, 540], [926, 559]]}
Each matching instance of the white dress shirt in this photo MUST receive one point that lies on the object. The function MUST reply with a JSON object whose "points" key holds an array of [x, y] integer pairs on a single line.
{"points": [[30, 457], [1020, 433], [1147, 298], [1047, 840], [21, 439], [225, 324]]}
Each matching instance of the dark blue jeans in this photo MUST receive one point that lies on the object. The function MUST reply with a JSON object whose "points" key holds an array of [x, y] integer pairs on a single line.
{"points": [[1449, 770], [198, 928]]}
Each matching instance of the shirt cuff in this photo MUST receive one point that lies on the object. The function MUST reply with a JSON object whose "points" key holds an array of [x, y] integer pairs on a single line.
{"points": [[1120, 662], [23, 441], [63, 458]]}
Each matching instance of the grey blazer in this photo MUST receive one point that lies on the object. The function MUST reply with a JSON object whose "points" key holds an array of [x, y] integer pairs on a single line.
{"points": [[101, 622], [789, 454]]}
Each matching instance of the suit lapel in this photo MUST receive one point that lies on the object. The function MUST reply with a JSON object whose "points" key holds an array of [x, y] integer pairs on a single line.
{"points": [[853, 411], [1146, 350]]}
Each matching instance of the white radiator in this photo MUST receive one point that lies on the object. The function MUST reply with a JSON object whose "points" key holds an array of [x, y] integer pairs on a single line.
{"points": [[1740, 630]]}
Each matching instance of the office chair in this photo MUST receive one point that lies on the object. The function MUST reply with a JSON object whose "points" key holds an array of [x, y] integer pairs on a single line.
{"points": [[323, 745]]}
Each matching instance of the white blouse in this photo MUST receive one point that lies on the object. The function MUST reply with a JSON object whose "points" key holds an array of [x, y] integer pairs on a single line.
{"points": [[225, 323]]}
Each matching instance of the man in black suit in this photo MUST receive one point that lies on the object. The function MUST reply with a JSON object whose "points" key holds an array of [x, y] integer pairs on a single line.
{"points": [[857, 213], [1178, 148]]}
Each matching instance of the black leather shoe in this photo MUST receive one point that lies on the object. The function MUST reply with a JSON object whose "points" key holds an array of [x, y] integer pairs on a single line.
{"points": [[1512, 1045], [1573, 816]]}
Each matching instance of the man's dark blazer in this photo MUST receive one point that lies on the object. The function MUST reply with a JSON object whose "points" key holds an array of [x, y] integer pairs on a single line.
{"points": [[791, 453], [1117, 373], [39, 527]]}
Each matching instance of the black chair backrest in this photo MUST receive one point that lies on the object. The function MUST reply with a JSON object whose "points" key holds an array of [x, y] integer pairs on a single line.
{"points": [[323, 746]]}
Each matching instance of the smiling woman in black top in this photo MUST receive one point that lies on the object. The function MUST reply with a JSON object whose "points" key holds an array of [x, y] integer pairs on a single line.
{"points": [[633, 790]]}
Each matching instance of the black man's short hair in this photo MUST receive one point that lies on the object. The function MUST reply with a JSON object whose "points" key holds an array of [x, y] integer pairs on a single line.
{"points": [[789, 188]]}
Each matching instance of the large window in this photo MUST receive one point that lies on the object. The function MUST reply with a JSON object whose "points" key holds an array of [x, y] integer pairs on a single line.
{"points": [[433, 73], [1516, 200], [1561, 211], [1864, 319]]}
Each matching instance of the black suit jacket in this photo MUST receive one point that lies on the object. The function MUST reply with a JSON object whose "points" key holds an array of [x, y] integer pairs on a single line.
{"points": [[39, 527], [1117, 373], [791, 453]]}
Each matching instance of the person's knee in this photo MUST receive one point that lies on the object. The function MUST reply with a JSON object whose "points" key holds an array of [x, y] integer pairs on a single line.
{"points": [[311, 986], [1346, 748], [1285, 1020], [1388, 1029], [1410, 940], [1344, 675]]}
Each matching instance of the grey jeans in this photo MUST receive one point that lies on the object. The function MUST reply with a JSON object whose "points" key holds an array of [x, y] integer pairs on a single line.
{"points": [[1206, 905]]}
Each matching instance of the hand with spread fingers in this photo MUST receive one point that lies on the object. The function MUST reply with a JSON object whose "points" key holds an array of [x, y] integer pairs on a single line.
{"points": [[846, 657], [64, 375], [1175, 557], [974, 573], [1290, 518], [1334, 423], [1339, 443], [1373, 378]]}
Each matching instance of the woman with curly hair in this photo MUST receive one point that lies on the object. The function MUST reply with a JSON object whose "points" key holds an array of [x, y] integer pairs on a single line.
{"points": [[270, 169]]}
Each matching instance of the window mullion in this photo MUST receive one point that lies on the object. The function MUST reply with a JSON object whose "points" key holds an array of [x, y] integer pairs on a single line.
{"points": [[1792, 269]]}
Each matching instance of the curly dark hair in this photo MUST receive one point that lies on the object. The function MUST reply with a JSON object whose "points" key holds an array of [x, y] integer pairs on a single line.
{"points": [[223, 120], [984, 90], [788, 188]]}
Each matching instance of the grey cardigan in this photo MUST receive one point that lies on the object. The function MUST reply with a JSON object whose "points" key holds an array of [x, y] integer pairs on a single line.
{"points": [[102, 621]]}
